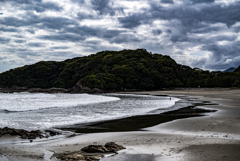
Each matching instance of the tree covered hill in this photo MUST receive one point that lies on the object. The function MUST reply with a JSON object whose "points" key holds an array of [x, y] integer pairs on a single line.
{"points": [[237, 70], [116, 70]]}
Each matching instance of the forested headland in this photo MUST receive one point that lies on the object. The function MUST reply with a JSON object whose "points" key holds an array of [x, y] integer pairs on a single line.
{"points": [[117, 71]]}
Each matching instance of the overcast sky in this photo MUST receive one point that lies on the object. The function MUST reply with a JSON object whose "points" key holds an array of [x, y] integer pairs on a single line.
{"points": [[198, 33]]}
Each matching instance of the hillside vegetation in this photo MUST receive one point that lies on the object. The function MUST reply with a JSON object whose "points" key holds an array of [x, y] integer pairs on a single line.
{"points": [[238, 69], [116, 70]]}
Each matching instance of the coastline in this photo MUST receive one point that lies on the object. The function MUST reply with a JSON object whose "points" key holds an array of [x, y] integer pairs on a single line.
{"points": [[215, 136]]}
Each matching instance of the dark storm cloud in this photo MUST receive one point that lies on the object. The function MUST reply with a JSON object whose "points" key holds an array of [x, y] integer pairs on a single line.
{"points": [[168, 31], [222, 38], [201, 63], [111, 33], [228, 15], [37, 5], [206, 40], [63, 37], [207, 29], [221, 52], [32, 31], [202, 1], [167, 1], [15, 22], [179, 38], [59, 47], [83, 15], [223, 56], [7, 29], [36, 44], [80, 2], [189, 16], [80, 33], [125, 38], [236, 29], [22, 1], [132, 21], [38, 22], [60, 53], [27, 53], [4, 40], [103, 7], [20, 41], [84, 31], [17, 36], [42, 7], [95, 45], [55, 22], [2, 58], [18, 50], [157, 31]]}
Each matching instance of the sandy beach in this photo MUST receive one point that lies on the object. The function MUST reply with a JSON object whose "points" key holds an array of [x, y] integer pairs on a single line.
{"points": [[215, 136]]}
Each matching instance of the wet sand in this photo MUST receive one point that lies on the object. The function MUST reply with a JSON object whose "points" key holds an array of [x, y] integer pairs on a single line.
{"points": [[212, 137]]}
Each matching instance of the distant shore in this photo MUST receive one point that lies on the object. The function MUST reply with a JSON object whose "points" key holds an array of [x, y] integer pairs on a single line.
{"points": [[212, 137], [80, 89]]}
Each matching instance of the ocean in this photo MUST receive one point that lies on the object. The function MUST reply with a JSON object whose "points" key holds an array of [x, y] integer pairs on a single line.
{"points": [[39, 111]]}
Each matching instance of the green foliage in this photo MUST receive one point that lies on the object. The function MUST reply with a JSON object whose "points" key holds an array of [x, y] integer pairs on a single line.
{"points": [[117, 70], [237, 70]]}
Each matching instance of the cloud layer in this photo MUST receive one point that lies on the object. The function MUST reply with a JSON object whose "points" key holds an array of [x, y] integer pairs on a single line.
{"points": [[198, 33]]}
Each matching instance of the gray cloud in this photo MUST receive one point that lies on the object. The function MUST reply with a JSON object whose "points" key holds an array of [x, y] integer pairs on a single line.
{"points": [[37, 5], [17, 36], [207, 29], [167, 1], [111, 33], [223, 56], [22, 1], [223, 52], [7, 29], [168, 31], [132, 21], [41, 7], [63, 37], [82, 15], [80, 2], [32, 31], [202, 1], [103, 6], [20, 41], [14, 22], [4, 40], [157, 31], [38, 22], [201, 63], [125, 38], [55, 22], [36, 44], [2, 58], [179, 38], [189, 16], [222, 38], [59, 47], [84, 31]]}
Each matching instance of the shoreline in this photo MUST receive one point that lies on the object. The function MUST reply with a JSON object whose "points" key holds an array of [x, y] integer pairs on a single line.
{"points": [[138, 122], [216, 136]]}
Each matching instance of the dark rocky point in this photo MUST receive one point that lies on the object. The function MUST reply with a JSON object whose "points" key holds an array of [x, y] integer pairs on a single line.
{"points": [[24, 134], [91, 152]]}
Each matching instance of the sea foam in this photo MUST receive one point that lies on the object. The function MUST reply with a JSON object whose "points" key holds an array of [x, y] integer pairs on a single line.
{"points": [[35, 101]]}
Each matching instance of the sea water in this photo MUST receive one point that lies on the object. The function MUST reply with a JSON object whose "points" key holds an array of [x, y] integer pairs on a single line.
{"points": [[33, 111]]}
